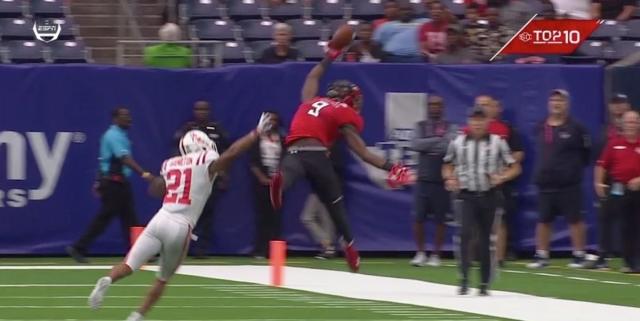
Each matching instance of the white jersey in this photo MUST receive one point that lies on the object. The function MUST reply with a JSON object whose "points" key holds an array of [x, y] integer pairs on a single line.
{"points": [[188, 184]]}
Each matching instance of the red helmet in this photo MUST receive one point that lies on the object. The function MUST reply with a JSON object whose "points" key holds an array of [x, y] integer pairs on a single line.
{"points": [[346, 92]]}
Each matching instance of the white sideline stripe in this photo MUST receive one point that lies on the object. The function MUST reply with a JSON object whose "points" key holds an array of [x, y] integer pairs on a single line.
{"points": [[580, 279], [616, 282], [404, 291], [84, 297], [56, 267], [548, 274], [45, 285], [234, 320], [208, 306]]}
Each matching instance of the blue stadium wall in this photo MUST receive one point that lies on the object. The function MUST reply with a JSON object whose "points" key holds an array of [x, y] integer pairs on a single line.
{"points": [[52, 117]]}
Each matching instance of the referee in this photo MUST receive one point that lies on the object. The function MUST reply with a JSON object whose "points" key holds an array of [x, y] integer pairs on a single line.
{"points": [[112, 184], [620, 161], [472, 169]]}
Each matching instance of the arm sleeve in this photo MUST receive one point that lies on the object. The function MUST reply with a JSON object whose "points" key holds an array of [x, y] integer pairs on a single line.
{"points": [[431, 144], [505, 152], [515, 142], [450, 156], [119, 145]]}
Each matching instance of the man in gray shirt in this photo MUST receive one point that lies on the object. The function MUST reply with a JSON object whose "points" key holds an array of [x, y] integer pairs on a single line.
{"points": [[430, 140], [457, 51]]}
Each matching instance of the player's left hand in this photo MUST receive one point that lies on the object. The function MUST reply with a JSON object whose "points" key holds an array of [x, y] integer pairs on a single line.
{"points": [[399, 176], [264, 124]]}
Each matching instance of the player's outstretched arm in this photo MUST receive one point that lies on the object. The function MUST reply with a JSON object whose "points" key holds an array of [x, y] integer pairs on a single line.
{"points": [[357, 145], [240, 146], [312, 82]]}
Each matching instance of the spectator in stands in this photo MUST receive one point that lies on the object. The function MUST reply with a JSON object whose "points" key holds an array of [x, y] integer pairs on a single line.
{"points": [[168, 54], [365, 49], [488, 37], [471, 15], [390, 14], [573, 9], [621, 10], [516, 13], [265, 161], [202, 121], [482, 5], [564, 150], [281, 49], [620, 162], [457, 51], [399, 39], [548, 11], [433, 34], [112, 185], [430, 139]]}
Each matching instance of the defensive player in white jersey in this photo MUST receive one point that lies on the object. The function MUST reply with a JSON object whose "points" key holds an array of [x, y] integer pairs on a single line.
{"points": [[185, 182]]}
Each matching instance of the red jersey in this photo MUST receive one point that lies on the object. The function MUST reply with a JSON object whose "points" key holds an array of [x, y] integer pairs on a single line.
{"points": [[321, 118], [621, 159]]}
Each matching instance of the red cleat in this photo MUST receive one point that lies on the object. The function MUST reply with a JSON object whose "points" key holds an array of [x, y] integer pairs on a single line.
{"points": [[352, 257], [275, 190]]}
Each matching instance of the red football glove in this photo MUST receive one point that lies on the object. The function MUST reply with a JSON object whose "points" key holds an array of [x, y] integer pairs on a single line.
{"points": [[399, 176], [333, 53]]}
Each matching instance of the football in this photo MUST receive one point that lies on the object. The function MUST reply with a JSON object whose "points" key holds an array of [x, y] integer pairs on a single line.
{"points": [[342, 37]]}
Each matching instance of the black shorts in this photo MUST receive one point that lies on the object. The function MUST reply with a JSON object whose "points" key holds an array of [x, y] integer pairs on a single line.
{"points": [[566, 201], [432, 201], [317, 168]]}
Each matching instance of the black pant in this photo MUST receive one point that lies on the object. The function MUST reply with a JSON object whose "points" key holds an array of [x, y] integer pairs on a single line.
{"points": [[117, 200], [204, 226], [476, 215], [608, 225], [267, 221], [628, 208], [318, 169]]}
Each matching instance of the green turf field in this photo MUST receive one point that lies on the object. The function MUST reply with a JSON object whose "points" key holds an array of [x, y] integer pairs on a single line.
{"points": [[61, 294]]}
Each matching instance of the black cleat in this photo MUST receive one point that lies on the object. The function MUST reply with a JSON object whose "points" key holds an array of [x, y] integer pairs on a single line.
{"points": [[76, 255], [483, 291], [464, 288]]}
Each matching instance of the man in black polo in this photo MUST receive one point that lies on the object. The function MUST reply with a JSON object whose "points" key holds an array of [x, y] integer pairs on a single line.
{"points": [[201, 121], [475, 165], [112, 184], [430, 140], [564, 149]]}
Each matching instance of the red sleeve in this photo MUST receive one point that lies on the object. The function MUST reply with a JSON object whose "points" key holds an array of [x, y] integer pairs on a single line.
{"points": [[423, 32], [605, 158], [348, 116]]}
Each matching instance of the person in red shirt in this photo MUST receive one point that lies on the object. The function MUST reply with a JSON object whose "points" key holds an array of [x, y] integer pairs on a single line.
{"points": [[433, 34], [390, 14], [620, 160], [482, 5], [316, 125]]}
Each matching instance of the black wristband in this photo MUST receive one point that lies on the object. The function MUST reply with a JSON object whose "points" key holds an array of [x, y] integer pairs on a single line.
{"points": [[387, 165]]}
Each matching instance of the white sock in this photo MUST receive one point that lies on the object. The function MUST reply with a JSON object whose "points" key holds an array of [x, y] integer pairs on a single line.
{"points": [[542, 254]]}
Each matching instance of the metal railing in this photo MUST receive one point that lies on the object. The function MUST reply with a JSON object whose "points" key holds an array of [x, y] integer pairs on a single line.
{"points": [[201, 56], [127, 20]]}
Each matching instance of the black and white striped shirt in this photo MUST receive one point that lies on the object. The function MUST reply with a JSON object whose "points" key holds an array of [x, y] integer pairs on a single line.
{"points": [[476, 160]]}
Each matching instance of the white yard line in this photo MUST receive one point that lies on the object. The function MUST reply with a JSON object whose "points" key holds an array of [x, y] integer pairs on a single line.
{"points": [[360, 286]]}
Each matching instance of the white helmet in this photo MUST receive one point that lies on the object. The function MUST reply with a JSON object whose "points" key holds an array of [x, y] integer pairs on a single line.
{"points": [[195, 141]]}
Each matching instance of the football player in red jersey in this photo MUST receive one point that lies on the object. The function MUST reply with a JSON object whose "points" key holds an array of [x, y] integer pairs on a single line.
{"points": [[316, 125]]}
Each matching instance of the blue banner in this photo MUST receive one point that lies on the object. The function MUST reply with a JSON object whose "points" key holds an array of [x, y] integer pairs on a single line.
{"points": [[52, 118]]}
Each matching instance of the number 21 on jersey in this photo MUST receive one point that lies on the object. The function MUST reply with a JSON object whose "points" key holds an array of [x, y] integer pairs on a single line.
{"points": [[317, 107], [175, 178]]}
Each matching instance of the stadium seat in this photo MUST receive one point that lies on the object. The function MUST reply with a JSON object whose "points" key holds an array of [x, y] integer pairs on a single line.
{"points": [[23, 52], [607, 30], [592, 48], [68, 52], [259, 46], [622, 49], [246, 9], [47, 8], [232, 52], [257, 29], [11, 8], [312, 50], [204, 9], [456, 7], [367, 9], [329, 9], [633, 30], [208, 29], [306, 29], [290, 9], [68, 32], [16, 29]]}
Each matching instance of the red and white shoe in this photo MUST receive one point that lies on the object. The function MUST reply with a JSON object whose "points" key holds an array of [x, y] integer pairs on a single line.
{"points": [[275, 190], [352, 257]]}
